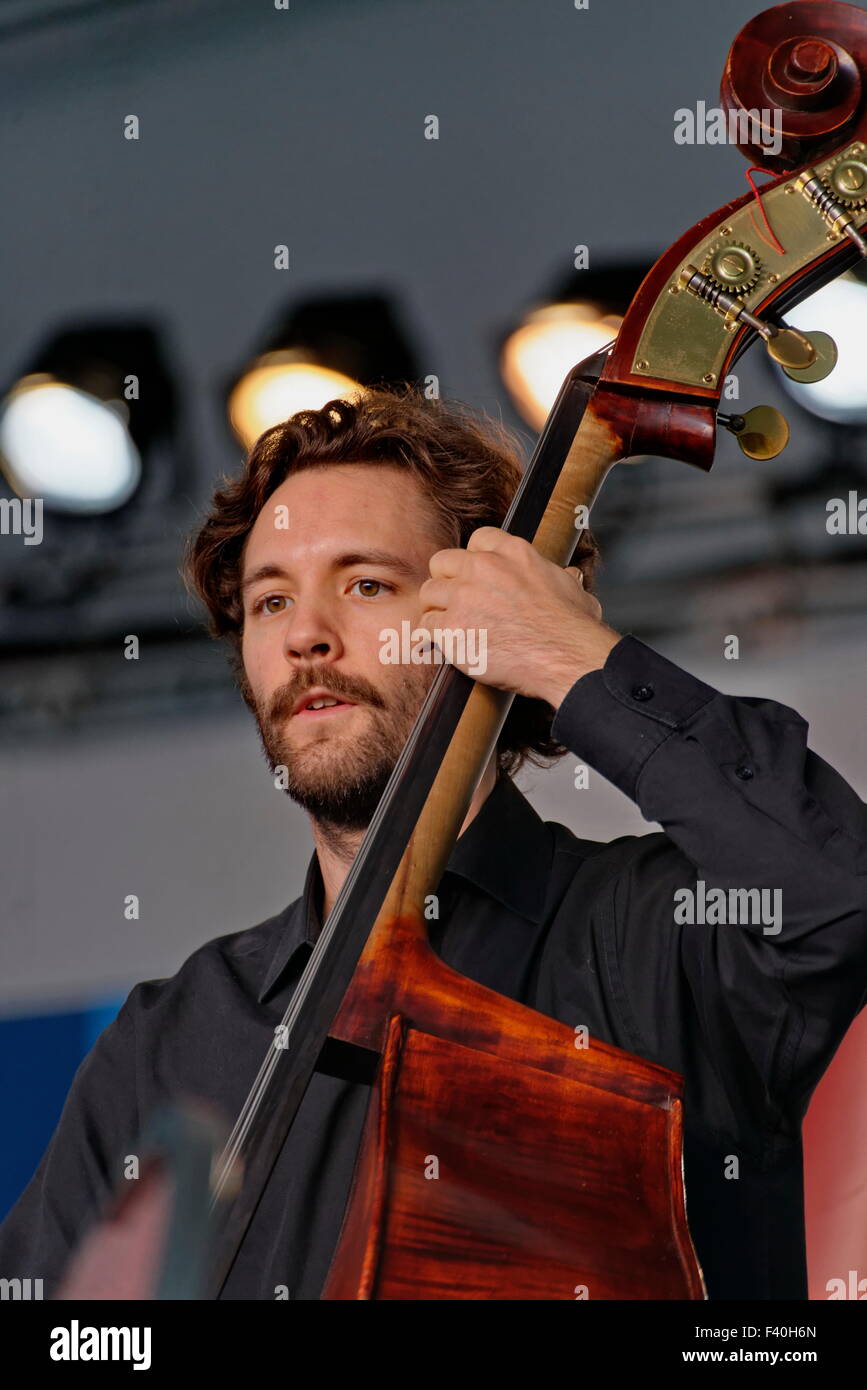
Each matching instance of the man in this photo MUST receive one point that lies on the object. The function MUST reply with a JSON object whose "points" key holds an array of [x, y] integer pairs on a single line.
{"points": [[344, 524]]}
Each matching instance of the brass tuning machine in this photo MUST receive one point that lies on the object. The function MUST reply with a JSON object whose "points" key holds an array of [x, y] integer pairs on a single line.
{"points": [[838, 199], [802, 356], [762, 432]]}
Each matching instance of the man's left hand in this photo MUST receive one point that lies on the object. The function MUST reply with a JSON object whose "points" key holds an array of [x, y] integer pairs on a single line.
{"points": [[543, 631]]}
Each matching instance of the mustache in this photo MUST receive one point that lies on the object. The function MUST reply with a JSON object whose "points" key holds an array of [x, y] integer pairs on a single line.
{"points": [[359, 691]]}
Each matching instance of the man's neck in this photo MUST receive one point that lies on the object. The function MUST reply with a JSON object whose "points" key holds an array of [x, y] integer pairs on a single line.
{"points": [[336, 849]]}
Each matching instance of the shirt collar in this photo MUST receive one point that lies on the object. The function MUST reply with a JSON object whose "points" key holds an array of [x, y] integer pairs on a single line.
{"points": [[506, 850]]}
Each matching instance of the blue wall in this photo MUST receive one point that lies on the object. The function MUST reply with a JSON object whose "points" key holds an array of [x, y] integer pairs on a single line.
{"points": [[39, 1055]]}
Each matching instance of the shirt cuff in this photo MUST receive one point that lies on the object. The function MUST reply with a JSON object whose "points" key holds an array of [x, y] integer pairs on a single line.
{"points": [[615, 718]]}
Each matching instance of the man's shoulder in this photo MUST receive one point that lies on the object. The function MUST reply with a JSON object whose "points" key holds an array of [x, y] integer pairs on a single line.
{"points": [[602, 854], [236, 962], [593, 867], [201, 1031]]}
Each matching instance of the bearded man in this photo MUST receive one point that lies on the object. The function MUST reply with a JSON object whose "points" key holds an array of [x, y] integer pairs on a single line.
{"points": [[344, 524]]}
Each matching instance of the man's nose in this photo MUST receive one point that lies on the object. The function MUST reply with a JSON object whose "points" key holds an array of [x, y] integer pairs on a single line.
{"points": [[311, 632]]}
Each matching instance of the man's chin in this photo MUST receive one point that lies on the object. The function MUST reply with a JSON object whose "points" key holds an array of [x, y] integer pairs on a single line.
{"points": [[336, 775], [341, 806], [323, 782]]}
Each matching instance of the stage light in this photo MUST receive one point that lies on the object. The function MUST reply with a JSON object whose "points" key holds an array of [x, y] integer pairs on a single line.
{"points": [[840, 309], [578, 317], [67, 447], [79, 426], [537, 356], [278, 385], [322, 349]]}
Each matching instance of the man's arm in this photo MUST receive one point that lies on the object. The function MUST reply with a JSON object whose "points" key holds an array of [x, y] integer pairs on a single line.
{"points": [[746, 806], [776, 977]]}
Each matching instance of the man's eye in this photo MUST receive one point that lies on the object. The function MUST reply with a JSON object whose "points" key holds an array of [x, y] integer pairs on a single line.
{"points": [[378, 583], [261, 605]]}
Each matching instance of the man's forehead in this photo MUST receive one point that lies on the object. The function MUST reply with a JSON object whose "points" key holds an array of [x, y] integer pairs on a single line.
{"points": [[346, 489], [373, 478], [386, 525]]}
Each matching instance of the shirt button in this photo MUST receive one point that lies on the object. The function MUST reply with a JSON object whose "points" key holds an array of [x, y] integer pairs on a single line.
{"points": [[744, 772], [642, 692]]}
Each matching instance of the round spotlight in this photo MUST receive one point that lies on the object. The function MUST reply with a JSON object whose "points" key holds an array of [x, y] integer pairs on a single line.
{"points": [[67, 447], [278, 385], [839, 308], [538, 355], [325, 348]]}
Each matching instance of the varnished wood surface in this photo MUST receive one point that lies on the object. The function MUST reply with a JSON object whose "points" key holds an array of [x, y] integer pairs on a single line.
{"points": [[479, 1180]]}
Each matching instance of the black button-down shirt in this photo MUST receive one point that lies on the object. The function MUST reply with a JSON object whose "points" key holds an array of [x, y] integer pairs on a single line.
{"points": [[749, 1012]]}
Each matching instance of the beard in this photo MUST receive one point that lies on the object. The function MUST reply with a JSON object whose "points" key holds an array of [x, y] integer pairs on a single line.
{"points": [[338, 779]]}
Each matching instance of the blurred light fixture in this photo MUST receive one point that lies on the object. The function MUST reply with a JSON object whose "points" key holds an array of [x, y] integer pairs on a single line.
{"points": [[324, 348], [278, 385], [67, 447], [75, 426], [545, 347], [840, 309], [579, 317], [90, 427]]}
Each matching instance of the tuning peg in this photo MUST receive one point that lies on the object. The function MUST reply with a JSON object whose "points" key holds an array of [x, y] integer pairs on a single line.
{"points": [[794, 351], [762, 432], [803, 356]]}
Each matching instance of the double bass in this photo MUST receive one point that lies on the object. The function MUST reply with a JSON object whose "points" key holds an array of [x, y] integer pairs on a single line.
{"points": [[564, 1163]]}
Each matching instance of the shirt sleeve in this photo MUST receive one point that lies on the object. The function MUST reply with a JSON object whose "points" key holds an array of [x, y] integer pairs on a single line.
{"points": [[82, 1164], [746, 805]]}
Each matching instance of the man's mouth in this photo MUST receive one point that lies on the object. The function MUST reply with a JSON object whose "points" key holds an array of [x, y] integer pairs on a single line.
{"points": [[317, 706]]}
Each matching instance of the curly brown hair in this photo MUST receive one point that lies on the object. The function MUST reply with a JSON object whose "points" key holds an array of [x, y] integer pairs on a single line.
{"points": [[467, 464]]}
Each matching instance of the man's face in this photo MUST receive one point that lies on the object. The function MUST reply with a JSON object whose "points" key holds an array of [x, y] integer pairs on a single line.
{"points": [[337, 554]]}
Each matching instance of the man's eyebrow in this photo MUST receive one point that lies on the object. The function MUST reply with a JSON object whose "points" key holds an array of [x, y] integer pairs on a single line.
{"points": [[263, 572], [344, 561], [376, 557]]}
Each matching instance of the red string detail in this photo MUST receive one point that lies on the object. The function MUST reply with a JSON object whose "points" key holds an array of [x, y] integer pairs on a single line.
{"points": [[775, 242]]}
